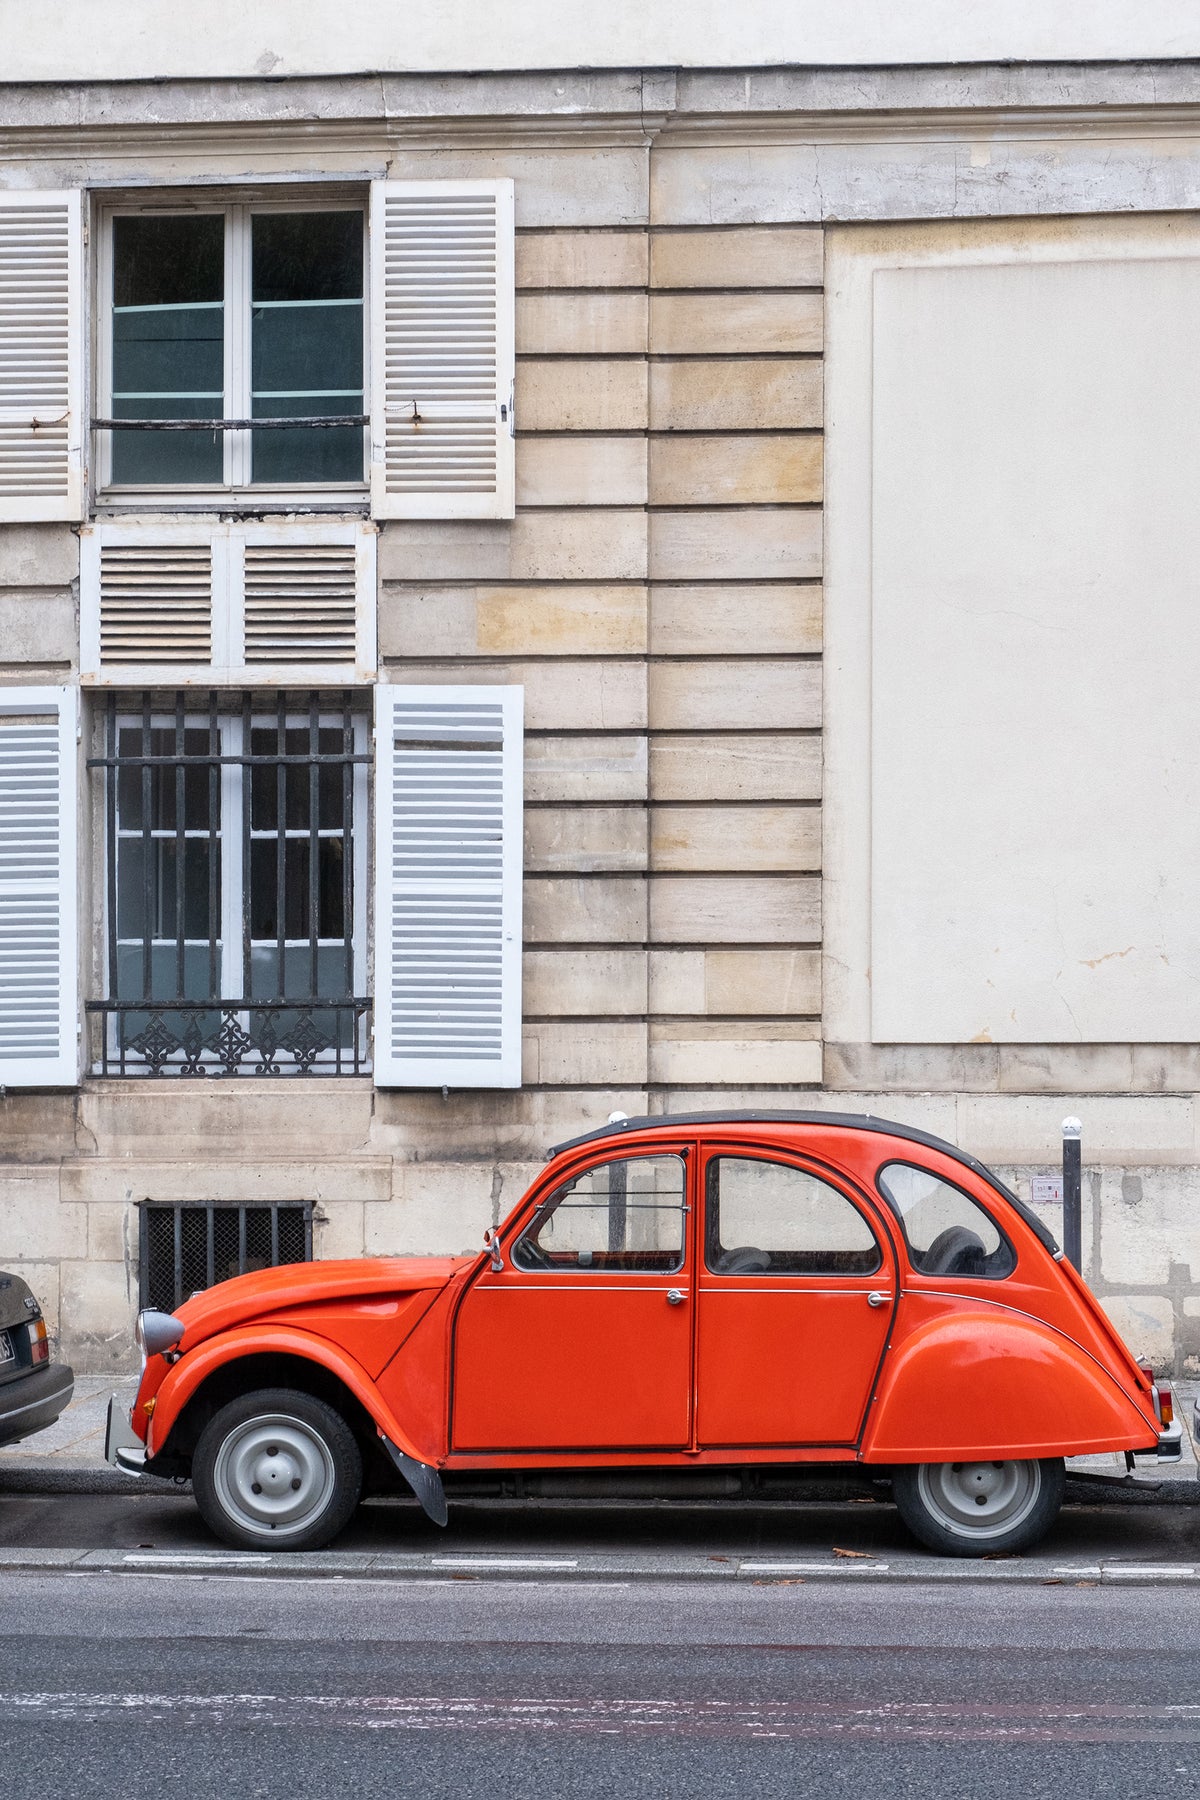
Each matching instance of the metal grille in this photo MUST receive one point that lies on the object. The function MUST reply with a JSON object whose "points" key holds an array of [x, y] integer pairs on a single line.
{"points": [[186, 1246], [235, 903]]}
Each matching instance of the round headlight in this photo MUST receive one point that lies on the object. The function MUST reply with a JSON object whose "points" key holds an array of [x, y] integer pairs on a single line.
{"points": [[156, 1332]]}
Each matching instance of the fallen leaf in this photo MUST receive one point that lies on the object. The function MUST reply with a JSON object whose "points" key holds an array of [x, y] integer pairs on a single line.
{"points": [[867, 1553]]}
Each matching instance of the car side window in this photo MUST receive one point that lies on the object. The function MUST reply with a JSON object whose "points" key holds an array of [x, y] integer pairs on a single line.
{"points": [[770, 1218], [628, 1215], [947, 1232]]}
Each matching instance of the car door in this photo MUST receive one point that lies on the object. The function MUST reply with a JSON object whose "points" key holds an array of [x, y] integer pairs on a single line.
{"points": [[795, 1296], [582, 1340]]}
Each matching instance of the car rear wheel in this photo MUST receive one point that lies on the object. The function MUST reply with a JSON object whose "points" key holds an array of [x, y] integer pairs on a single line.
{"points": [[979, 1508], [277, 1470]]}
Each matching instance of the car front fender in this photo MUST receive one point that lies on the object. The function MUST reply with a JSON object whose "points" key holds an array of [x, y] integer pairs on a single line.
{"points": [[188, 1375], [981, 1382]]}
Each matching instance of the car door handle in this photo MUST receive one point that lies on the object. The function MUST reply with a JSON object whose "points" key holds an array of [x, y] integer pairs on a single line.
{"points": [[675, 1296], [878, 1299]]}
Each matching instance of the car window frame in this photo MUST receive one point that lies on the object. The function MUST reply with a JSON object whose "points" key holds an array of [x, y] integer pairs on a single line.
{"points": [[877, 1226], [536, 1214], [895, 1213]]}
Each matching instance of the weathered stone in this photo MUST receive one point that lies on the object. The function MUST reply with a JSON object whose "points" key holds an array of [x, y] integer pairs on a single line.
{"points": [[735, 837], [585, 839], [581, 471], [36, 1220], [736, 983], [339, 1229], [732, 1053], [579, 544], [1146, 1323], [741, 257], [591, 1051], [735, 544], [581, 395], [582, 259], [559, 695], [37, 628], [767, 909], [731, 620], [38, 556], [1081, 1068], [730, 696], [733, 324], [732, 766], [581, 324], [583, 983], [901, 1068], [1123, 1128], [763, 470], [598, 909], [586, 768], [558, 619], [734, 394], [97, 1303]]}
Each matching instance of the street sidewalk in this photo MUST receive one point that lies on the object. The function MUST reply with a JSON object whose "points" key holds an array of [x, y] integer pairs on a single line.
{"points": [[68, 1457]]}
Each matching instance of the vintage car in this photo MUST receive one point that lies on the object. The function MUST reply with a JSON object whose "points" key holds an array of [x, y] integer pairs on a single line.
{"points": [[33, 1388], [689, 1303]]}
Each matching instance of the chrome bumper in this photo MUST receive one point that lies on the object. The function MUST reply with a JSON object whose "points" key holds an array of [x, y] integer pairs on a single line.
{"points": [[122, 1446]]}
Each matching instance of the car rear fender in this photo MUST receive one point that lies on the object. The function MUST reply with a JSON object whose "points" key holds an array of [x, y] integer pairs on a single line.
{"points": [[987, 1382], [189, 1374]]}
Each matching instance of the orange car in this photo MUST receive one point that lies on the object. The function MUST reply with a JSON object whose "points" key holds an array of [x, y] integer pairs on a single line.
{"points": [[723, 1295]]}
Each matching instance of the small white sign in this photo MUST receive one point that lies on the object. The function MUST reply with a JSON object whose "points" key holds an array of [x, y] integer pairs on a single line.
{"points": [[1047, 1190]]}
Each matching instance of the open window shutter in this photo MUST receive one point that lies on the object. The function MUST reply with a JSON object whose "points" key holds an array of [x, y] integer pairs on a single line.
{"points": [[448, 771], [39, 1002], [41, 356], [441, 349]]}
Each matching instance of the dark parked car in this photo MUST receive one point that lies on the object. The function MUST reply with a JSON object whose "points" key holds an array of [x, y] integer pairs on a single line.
{"points": [[33, 1390]]}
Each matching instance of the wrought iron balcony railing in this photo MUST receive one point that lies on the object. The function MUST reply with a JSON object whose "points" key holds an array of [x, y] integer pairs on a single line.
{"points": [[232, 1037]]}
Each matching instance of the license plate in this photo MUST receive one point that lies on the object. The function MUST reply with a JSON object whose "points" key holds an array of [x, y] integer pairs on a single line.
{"points": [[7, 1353]]}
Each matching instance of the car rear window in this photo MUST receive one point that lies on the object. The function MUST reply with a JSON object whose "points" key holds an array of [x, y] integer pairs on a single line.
{"points": [[947, 1232]]}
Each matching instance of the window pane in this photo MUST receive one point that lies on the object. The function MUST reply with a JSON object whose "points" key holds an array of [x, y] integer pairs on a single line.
{"points": [[168, 345], [148, 888], [771, 1218], [265, 873], [947, 1232], [164, 977], [307, 343], [626, 1215], [163, 782]]}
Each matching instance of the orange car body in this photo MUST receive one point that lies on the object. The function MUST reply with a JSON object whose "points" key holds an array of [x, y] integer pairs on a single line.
{"points": [[476, 1363]]}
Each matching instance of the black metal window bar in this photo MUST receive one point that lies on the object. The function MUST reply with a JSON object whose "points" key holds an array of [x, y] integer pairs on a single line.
{"points": [[235, 905], [184, 1246]]}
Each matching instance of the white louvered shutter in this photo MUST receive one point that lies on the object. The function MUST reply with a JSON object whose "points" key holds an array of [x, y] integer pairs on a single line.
{"points": [[41, 356], [441, 349], [448, 772], [39, 988]]}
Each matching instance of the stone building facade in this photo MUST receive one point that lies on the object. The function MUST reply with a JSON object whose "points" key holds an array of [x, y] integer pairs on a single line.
{"points": [[695, 897]]}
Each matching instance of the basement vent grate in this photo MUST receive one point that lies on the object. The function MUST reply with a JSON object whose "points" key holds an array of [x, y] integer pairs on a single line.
{"points": [[155, 603], [300, 603], [188, 1245]]}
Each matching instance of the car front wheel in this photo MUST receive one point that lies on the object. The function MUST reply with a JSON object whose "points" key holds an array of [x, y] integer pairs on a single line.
{"points": [[277, 1470], [979, 1508]]}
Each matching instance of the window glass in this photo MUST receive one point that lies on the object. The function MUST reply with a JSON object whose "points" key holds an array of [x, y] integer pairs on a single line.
{"points": [[947, 1233], [624, 1215], [306, 314], [764, 1218], [168, 350]]}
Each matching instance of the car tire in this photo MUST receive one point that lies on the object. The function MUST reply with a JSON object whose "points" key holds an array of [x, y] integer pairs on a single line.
{"points": [[979, 1508], [277, 1470]]}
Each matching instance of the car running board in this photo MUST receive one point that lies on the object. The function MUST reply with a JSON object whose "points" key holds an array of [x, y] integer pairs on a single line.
{"points": [[424, 1481]]}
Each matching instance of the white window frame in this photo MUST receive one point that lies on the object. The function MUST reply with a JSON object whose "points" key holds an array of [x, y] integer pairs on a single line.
{"points": [[236, 403], [232, 893]]}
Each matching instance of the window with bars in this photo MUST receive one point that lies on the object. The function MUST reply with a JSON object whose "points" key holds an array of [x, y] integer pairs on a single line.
{"points": [[187, 1246], [235, 904]]}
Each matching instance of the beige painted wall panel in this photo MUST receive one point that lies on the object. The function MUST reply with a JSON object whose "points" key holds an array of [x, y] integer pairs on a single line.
{"points": [[579, 544], [598, 910], [762, 981], [583, 983], [573, 324], [735, 619], [559, 695], [766, 909], [599, 1051], [581, 471], [554, 620], [756, 766], [735, 394], [735, 837], [610, 767], [746, 257], [734, 1058], [585, 839], [587, 395], [731, 696], [735, 544], [735, 471], [735, 324], [582, 259]]}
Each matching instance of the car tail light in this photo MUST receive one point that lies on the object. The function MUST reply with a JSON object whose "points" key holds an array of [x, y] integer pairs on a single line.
{"points": [[1166, 1405], [39, 1343]]}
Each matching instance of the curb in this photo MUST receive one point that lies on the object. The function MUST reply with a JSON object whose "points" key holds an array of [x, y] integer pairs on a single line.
{"points": [[433, 1570]]}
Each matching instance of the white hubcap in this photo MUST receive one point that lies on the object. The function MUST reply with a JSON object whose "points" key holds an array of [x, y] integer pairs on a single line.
{"points": [[274, 1475], [980, 1499]]}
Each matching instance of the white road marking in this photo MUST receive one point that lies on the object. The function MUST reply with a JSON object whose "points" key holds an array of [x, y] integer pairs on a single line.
{"points": [[200, 1559], [504, 1562], [813, 1568]]}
